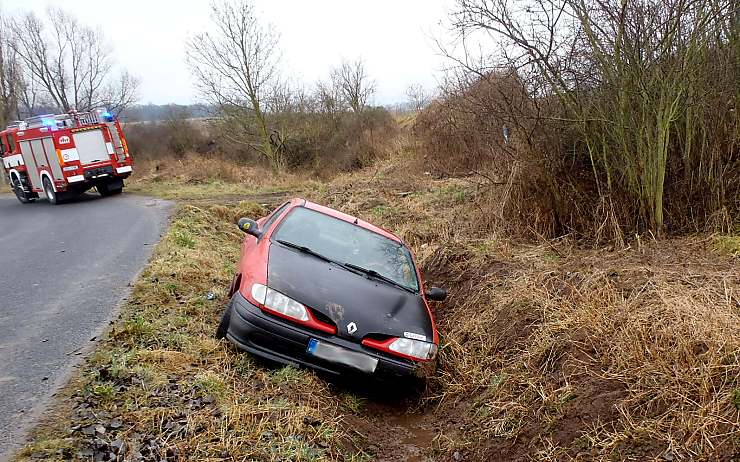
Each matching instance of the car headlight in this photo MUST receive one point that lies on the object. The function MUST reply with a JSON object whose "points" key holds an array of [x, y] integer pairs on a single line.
{"points": [[279, 303], [414, 348]]}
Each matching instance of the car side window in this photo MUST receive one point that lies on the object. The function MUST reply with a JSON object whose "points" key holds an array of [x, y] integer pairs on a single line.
{"points": [[275, 215]]}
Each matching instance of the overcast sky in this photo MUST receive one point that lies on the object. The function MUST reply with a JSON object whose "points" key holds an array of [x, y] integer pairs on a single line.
{"points": [[394, 37]]}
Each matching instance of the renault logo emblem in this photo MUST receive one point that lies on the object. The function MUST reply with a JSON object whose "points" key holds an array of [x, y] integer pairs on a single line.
{"points": [[351, 328]]}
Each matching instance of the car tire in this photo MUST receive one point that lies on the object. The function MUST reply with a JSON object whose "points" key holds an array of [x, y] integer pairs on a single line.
{"points": [[51, 195], [223, 326]]}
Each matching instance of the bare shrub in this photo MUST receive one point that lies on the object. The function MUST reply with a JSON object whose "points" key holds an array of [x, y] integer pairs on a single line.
{"points": [[308, 141], [173, 137], [622, 117], [465, 129], [350, 142]]}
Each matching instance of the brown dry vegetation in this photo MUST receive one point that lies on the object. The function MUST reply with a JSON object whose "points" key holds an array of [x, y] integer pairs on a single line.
{"points": [[306, 139], [622, 116], [571, 333], [549, 351], [201, 176], [554, 352]]}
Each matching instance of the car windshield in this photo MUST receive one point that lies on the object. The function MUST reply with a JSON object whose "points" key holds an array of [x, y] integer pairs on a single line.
{"points": [[346, 243]]}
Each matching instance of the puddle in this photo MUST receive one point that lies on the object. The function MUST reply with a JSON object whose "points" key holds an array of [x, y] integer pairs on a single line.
{"points": [[416, 440], [403, 437]]}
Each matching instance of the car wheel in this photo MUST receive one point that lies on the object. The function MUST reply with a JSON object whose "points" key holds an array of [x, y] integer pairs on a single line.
{"points": [[49, 191], [223, 326]]}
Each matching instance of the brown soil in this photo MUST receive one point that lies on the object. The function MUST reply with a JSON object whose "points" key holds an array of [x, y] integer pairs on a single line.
{"points": [[397, 433]]}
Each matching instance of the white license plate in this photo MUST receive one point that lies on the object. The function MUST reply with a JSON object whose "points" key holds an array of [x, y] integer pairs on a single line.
{"points": [[341, 355]]}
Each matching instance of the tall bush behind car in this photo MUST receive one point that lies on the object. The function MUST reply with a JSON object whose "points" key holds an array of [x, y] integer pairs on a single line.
{"points": [[621, 116]]}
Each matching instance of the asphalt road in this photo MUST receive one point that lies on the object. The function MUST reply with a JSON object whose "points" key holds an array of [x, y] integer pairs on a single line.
{"points": [[63, 272]]}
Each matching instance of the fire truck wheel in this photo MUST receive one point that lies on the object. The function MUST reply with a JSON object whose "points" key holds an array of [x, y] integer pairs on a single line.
{"points": [[19, 192], [49, 191], [106, 189]]}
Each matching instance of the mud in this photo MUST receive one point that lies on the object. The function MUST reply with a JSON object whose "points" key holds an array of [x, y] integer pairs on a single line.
{"points": [[397, 433]]}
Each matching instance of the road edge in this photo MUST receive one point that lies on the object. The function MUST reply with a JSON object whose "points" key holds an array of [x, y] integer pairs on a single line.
{"points": [[35, 416]]}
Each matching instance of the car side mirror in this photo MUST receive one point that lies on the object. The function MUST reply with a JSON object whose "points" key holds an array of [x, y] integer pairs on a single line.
{"points": [[250, 227], [436, 294]]}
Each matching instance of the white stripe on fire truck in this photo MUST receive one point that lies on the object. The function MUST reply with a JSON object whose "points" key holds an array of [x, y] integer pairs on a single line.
{"points": [[13, 161], [110, 148]]}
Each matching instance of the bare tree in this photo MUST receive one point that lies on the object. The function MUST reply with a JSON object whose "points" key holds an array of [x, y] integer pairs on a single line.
{"points": [[235, 66], [10, 79], [120, 94], [30, 96], [354, 84], [69, 62], [418, 97]]}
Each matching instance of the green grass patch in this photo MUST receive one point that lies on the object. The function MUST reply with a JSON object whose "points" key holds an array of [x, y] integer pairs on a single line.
{"points": [[353, 403], [452, 193], [728, 244], [735, 398]]}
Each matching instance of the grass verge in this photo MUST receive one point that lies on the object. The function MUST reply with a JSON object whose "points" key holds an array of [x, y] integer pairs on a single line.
{"points": [[160, 387]]}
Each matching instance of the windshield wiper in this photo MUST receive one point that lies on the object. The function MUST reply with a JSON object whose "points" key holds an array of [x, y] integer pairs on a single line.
{"points": [[376, 275], [305, 249], [350, 266]]}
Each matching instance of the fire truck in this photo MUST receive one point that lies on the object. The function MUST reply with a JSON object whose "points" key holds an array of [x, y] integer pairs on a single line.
{"points": [[65, 155]]}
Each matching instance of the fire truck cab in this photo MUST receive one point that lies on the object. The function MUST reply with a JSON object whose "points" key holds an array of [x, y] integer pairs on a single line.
{"points": [[64, 155]]}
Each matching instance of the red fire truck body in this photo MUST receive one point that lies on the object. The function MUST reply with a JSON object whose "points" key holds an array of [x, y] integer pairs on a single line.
{"points": [[65, 155]]}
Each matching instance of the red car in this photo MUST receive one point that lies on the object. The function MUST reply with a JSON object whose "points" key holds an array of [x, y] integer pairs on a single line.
{"points": [[319, 288]]}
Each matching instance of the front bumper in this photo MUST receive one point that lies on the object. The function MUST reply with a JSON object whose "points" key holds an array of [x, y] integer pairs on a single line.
{"points": [[266, 336], [99, 172]]}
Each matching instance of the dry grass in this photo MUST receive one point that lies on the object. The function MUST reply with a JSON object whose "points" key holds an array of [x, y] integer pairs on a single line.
{"points": [[202, 177], [631, 356], [549, 351], [568, 353]]}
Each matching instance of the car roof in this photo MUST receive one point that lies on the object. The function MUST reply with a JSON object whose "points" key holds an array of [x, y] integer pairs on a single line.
{"points": [[345, 217]]}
